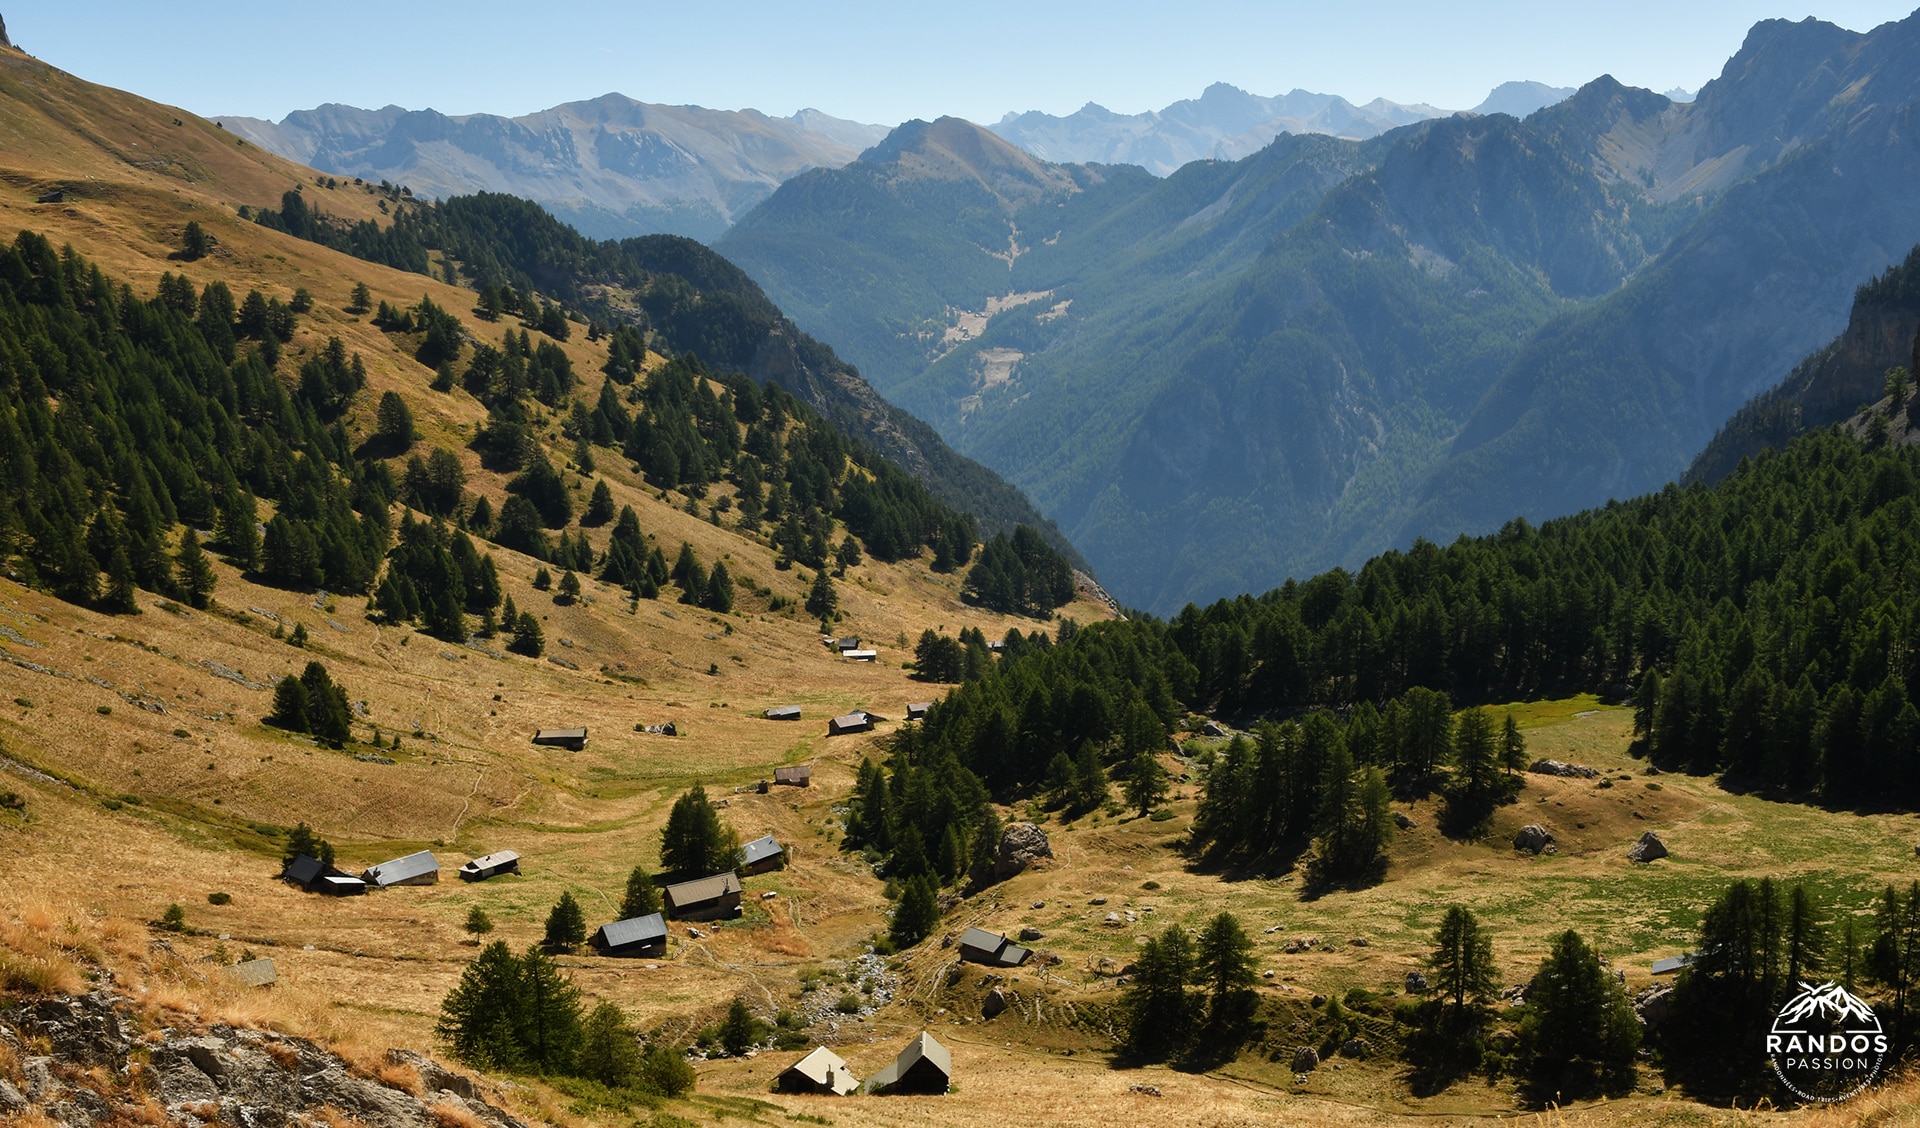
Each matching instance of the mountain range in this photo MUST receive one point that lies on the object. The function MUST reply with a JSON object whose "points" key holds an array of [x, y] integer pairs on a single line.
{"points": [[611, 166], [1255, 369], [615, 167]]}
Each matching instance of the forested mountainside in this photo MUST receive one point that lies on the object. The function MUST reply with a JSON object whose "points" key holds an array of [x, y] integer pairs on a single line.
{"points": [[1758, 625], [1883, 333], [677, 295], [1331, 347], [612, 167], [124, 417]]}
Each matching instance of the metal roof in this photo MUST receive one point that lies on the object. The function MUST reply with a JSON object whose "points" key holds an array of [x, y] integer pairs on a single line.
{"points": [[702, 889], [493, 860], [343, 882], [917, 709], [798, 771], [1671, 964], [634, 930], [922, 1048], [402, 869], [784, 713], [861, 655], [989, 942], [827, 1069], [560, 734], [851, 722], [303, 870], [253, 973], [760, 849]]}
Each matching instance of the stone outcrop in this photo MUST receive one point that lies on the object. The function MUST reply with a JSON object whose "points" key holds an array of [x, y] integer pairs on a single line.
{"points": [[1306, 1059], [1021, 844], [1533, 838], [1561, 768], [233, 1078], [1648, 849]]}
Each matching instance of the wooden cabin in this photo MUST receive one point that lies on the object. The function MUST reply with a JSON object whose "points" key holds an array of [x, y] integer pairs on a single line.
{"points": [[924, 1067], [414, 869], [706, 898], [799, 775], [821, 1072], [490, 865], [977, 945], [761, 855], [784, 713], [572, 739], [637, 937]]}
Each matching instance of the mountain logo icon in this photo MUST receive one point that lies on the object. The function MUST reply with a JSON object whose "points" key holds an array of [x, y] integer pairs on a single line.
{"points": [[1826, 1044]]}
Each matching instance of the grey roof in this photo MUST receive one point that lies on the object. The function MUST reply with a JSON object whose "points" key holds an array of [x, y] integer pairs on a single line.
{"points": [[492, 861], [993, 948], [784, 713], [343, 882], [702, 889], [760, 849], [797, 771], [851, 642], [303, 870], [1013, 955], [253, 973], [633, 930], [1671, 964], [401, 869], [918, 708], [825, 1068], [851, 722], [923, 1047], [982, 939]]}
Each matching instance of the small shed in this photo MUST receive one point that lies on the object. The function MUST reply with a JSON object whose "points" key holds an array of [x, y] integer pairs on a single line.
{"points": [[253, 973], [317, 877], [924, 1067], [784, 713], [821, 1072], [707, 898], [851, 642], [997, 645], [1671, 964], [861, 655], [642, 936], [977, 945], [799, 775], [763, 854], [573, 739], [490, 865], [917, 710], [852, 722], [414, 869]]}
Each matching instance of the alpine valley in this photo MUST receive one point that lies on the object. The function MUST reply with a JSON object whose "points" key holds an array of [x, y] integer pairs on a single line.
{"points": [[1259, 369]]}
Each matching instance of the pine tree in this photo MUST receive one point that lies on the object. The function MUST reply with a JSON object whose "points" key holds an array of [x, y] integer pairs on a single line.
{"points": [[328, 716], [478, 922], [527, 636], [719, 595], [479, 1018], [599, 506], [1224, 965], [609, 1049], [195, 243], [1513, 746], [362, 299], [1579, 1034], [196, 575], [393, 426], [290, 706], [695, 841], [1159, 1011], [549, 1025], [1146, 782], [822, 601], [739, 1032], [569, 588], [641, 898], [1089, 780], [1462, 959], [917, 914], [566, 925]]}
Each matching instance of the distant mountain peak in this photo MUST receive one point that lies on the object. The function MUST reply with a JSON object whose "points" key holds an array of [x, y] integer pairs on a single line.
{"points": [[1522, 98]]}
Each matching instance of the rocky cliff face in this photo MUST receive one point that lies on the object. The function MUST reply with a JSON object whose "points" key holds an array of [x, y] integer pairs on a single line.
{"points": [[92, 1075]]}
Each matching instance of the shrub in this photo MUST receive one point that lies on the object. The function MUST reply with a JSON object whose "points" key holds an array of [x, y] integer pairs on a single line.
{"points": [[219, 898], [174, 919]]}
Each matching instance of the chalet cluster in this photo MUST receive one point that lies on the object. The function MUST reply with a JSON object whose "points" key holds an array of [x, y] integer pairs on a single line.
{"points": [[420, 868], [715, 897], [923, 1068]]}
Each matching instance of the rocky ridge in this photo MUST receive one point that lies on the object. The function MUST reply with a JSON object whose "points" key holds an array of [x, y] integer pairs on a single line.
{"points": [[104, 1065]]}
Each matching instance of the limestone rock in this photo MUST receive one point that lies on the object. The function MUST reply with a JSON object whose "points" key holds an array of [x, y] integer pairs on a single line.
{"points": [[1401, 820], [994, 1003], [1355, 1048], [1653, 1006], [1416, 983], [1021, 844], [1533, 838], [1306, 1059], [1561, 768], [1649, 848], [1030, 934], [11, 1099]]}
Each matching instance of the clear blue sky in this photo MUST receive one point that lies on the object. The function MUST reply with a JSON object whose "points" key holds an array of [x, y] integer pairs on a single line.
{"points": [[881, 62]]}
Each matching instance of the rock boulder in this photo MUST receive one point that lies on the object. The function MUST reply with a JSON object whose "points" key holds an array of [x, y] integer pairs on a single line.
{"points": [[1306, 1059], [1021, 844], [1532, 838], [1649, 848]]}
